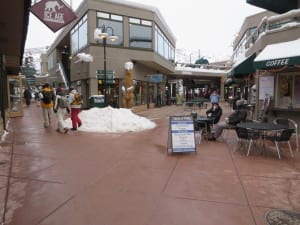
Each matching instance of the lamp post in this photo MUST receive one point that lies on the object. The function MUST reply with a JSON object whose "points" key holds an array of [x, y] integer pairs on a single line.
{"points": [[101, 33]]}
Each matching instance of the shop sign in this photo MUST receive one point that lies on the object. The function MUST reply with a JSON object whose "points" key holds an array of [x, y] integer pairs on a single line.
{"points": [[277, 62], [110, 75], [155, 78], [53, 13]]}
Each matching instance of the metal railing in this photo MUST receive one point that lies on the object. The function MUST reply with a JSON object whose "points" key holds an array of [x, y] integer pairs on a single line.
{"points": [[267, 25]]}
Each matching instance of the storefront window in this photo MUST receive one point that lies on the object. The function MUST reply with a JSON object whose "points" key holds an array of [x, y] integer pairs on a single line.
{"points": [[297, 91], [151, 92], [140, 92], [285, 90], [112, 93]]}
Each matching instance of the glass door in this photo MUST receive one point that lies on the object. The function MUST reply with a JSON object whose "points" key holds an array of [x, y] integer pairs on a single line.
{"points": [[15, 90]]}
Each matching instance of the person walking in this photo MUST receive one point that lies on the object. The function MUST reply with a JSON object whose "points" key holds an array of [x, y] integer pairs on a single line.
{"points": [[214, 97], [61, 107], [47, 99], [75, 102], [27, 96]]}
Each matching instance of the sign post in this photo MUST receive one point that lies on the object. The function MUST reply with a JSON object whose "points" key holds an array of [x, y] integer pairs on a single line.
{"points": [[181, 136]]}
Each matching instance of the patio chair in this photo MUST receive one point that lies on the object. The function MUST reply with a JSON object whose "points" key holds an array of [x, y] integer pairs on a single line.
{"points": [[247, 136], [291, 124], [281, 136], [199, 130], [233, 126]]}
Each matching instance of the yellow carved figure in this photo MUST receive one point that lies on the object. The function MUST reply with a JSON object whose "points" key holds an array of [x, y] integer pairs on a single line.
{"points": [[128, 87]]}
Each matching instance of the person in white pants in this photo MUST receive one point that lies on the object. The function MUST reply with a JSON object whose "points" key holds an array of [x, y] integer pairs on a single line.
{"points": [[60, 111]]}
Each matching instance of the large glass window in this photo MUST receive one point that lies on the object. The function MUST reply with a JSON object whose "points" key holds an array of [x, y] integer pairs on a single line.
{"points": [[140, 33], [113, 25], [288, 94], [140, 36], [51, 60], [297, 91], [162, 45], [79, 36], [140, 92]]}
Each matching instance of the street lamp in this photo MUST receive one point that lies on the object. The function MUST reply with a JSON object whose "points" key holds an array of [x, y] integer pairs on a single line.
{"points": [[101, 33]]}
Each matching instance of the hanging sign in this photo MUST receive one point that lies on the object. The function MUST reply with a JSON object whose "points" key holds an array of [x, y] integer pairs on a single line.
{"points": [[53, 13], [181, 134]]}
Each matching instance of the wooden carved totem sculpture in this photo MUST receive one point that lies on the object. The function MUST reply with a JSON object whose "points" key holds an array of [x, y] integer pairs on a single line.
{"points": [[128, 87]]}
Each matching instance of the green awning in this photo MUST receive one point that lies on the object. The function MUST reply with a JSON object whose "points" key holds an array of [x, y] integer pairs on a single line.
{"points": [[243, 68], [279, 55], [277, 6]]}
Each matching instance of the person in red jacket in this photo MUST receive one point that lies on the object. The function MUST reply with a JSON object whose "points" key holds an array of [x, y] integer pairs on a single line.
{"points": [[75, 105]]}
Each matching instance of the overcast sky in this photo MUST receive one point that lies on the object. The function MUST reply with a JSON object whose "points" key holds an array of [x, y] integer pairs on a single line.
{"points": [[206, 27]]}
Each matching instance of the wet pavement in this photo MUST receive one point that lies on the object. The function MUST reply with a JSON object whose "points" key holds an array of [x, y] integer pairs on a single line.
{"points": [[130, 179]]}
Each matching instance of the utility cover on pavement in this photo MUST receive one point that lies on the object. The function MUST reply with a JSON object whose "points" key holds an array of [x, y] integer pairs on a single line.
{"points": [[282, 217]]}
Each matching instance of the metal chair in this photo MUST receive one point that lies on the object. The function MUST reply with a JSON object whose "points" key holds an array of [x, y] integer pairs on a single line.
{"points": [[247, 136], [198, 132], [291, 124], [281, 136], [233, 126]]}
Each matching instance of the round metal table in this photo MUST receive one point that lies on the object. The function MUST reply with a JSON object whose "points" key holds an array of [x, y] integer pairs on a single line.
{"points": [[262, 126]]}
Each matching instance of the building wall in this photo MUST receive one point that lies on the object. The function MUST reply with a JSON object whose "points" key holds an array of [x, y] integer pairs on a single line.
{"points": [[288, 32], [146, 61]]}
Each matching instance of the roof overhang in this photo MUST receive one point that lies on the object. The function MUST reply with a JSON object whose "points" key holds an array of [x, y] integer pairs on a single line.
{"points": [[279, 55], [243, 68], [277, 6], [14, 18]]}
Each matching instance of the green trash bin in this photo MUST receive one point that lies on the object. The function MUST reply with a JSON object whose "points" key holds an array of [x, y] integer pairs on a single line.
{"points": [[96, 101]]}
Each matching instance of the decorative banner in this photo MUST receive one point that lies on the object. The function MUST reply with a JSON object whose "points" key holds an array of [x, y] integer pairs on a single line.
{"points": [[53, 13]]}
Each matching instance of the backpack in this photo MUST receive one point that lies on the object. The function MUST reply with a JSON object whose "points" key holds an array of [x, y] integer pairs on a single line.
{"points": [[63, 102], [77, 99], [47, 97]]}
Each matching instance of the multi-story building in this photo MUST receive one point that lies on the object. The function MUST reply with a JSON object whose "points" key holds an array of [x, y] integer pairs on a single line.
{"points": [[264, 38], [14, 17], [144, 39]]}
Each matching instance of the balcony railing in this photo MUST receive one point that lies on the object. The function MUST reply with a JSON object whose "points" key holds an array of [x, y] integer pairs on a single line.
{"points": [[268, 25]]}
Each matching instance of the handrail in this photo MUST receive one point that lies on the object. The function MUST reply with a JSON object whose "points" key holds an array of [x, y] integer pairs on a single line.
{"points": [[202, 66], [63, 74]]}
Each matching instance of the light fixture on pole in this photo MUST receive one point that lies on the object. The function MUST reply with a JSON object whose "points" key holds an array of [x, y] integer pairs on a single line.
{"points": [[101, 33]]}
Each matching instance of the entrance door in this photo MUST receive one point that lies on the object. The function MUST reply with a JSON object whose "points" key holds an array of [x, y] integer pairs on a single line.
{"points": [[15, 93]]}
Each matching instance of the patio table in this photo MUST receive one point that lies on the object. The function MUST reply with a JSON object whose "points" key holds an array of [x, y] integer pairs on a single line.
{"points": [[205, 121], [262, 127]]}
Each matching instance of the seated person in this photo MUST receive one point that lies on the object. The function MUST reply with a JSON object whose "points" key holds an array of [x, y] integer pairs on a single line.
{"points": [[214, 112], [235, 118]]}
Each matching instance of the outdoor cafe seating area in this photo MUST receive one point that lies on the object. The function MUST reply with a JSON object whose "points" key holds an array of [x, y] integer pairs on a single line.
{"points": [[279, 135]]}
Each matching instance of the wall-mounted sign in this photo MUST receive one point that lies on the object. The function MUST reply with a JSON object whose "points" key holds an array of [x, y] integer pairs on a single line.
{"points": [[110, 75], [53, 13], [155, 78]]}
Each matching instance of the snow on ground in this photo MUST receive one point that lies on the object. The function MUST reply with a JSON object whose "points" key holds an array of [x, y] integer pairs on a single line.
{"points": [[111, 120]]}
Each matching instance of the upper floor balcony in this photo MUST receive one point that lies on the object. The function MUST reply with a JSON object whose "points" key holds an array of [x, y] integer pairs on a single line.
{"points": [[270, 30]]}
